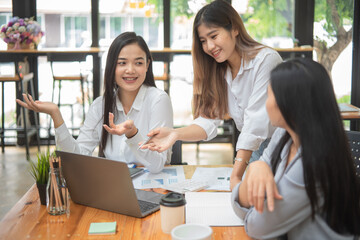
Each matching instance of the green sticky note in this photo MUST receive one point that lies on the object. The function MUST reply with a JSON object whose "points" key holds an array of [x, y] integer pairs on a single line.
{"points": [[102, 228]]}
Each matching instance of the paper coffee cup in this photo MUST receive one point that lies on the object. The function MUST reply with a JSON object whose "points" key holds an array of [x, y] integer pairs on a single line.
{"points": [[172, 211], [191, 231]]}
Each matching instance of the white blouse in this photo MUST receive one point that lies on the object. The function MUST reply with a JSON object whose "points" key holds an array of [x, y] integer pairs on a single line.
{"points": [[151, 109], [247, 94]]}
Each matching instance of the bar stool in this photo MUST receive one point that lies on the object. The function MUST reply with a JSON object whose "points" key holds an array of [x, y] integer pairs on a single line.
{"points": [[61, 64], [21, 79]]}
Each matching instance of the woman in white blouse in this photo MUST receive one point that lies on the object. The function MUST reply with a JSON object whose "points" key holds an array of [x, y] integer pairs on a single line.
{"points": [[130, 107], [231, 74]]}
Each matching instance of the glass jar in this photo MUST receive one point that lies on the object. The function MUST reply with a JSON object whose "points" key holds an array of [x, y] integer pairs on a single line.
{"points": [[57, 195]]}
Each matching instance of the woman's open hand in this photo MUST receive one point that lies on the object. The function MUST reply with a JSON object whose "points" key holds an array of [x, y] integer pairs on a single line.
{"points": [[127, 127], [162, 139], [37, 106]]}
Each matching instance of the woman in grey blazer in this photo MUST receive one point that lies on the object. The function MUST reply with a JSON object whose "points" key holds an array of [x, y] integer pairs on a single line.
{"points": [[305, 185]]}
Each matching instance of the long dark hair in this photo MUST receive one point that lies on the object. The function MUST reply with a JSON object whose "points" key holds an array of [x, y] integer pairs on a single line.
{"points": [[111, 88], [210, 88], [306, 99]]}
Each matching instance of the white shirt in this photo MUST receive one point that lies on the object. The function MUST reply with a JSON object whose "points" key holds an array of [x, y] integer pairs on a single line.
{"points": [[151, 109], [247, 94]]}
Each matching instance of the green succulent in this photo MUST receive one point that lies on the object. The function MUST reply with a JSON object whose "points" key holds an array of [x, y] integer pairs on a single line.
{"points": [[40, 170]]}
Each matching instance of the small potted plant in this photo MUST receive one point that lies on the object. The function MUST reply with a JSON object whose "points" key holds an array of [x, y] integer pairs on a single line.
{"points": [[40, 172]]}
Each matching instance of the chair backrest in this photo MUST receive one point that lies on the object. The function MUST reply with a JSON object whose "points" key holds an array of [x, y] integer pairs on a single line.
{"points": [[176, 156], [354, 143], [66, 57], [60, 61]]}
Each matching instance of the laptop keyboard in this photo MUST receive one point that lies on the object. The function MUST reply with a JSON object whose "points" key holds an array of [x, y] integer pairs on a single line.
{"points": [[146, 206]]}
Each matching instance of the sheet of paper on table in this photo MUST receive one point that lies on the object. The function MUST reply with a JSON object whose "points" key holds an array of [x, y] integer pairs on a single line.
{"points": [[211, 208], [216, 178], [169, 175]]}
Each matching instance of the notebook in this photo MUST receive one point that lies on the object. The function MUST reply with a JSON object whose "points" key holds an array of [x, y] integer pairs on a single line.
{"points": [[105, 184]]}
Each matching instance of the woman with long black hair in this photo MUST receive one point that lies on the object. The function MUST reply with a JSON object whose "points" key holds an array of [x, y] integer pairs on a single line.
{"points": [[130, 107], [305, 185]]}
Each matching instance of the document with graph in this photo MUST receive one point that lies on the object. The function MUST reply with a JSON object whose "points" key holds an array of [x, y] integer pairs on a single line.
{"points": [[216, 178], [168, 176]]}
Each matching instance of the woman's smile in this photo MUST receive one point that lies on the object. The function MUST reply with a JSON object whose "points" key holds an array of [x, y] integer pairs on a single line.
{"points": [[216, 53], [130, 79]]}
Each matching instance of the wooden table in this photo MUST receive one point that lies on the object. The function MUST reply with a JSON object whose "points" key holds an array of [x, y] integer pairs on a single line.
{"points": [[30, 220], [351, 115]]}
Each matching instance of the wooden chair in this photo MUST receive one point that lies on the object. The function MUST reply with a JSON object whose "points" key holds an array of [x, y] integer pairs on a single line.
{"points": [[354, 143], [60, 64], [21, 79]]}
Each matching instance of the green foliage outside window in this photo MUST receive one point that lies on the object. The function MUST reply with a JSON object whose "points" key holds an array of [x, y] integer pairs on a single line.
{"points": [[323, 11], [333, 15], [269, 18], [344, 99]]}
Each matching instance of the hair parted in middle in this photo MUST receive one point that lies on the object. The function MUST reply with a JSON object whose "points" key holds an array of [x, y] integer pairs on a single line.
{"points": [[111, 88], [210, 89]]}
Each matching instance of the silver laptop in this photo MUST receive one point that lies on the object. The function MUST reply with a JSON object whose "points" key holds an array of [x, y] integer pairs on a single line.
{"points": [[105, 184]]}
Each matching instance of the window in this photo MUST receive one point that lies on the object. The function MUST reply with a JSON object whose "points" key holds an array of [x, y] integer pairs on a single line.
{"points": [[154, 41], [76, 32], [337, 60], [182, 18], [139, 26], [3, 18], [5, 15], [181, 88], [66, 23], [115, 26], [269, 22], [102, 30], [143, 17]]}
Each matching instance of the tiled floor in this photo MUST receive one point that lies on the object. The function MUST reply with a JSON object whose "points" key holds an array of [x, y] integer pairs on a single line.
{"points": [[15, 179]]}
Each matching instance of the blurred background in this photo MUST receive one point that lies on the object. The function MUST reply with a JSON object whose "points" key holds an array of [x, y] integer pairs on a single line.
{"points": [[275, 23]]}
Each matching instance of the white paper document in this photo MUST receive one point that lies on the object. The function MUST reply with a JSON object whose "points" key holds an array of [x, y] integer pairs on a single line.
{"points": [[168, 175], [216, 178], [211, 208]]}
